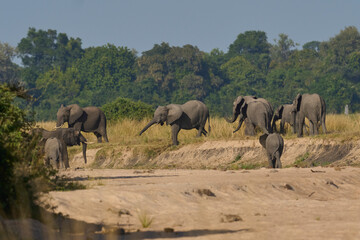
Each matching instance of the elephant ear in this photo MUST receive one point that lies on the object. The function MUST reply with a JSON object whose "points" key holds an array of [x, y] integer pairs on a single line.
{"points": [[262, 139], [297, 102], [238, 102], [279, 111], [243, 109], [174, 113], [75, 113]]}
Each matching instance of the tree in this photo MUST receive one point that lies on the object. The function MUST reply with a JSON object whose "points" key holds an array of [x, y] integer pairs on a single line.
{"points": [[253, 46], [177, 73], [43, 50], [105, 73], [313, 45], [9, 71], [282, 48]]}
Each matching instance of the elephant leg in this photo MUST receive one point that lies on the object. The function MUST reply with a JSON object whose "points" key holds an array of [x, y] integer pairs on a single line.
{"points": [[98, 136], [174, 133], [316, 128], [66, 157], [105, 137], [277, 160], [103, 133], [200, 131], [204, 132], [249, 128], [263, 128], [282, 124], [311, 127], [270, 160], [323, 123], [300, 125]]}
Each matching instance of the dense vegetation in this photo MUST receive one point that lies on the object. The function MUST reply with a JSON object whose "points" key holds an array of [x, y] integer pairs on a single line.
{"points": [[22, 173], [57, 70]]}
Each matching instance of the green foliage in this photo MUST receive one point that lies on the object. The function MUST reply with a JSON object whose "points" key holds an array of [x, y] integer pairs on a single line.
{"points": [[9, 72], [21, 167], [58, 71], [125, 108], [42, 50]]}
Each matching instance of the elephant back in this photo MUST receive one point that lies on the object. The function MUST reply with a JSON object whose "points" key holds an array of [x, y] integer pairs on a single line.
{"points": [[92, 119], [196, 111]]}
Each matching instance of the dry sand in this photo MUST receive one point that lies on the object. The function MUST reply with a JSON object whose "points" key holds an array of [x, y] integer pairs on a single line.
{"points": [[316, 203], [289, 203]]}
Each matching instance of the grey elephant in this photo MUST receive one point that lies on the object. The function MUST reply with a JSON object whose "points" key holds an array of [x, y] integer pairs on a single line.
{"points": [[53, 153], [88, 119], [67, 137], [283, 113], [274, 146], [190, 115], [256, 111], [312, 107]]}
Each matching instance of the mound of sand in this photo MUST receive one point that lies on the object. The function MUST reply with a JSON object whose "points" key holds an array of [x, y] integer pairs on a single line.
{"points": [[221, 154]]}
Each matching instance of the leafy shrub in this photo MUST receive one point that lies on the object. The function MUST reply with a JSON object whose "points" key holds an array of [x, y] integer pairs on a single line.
{"points": [[20, 159], [125, 108]]}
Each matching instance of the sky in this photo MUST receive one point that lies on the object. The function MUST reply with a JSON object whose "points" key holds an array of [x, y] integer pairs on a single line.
{"points": [[207, 24]]}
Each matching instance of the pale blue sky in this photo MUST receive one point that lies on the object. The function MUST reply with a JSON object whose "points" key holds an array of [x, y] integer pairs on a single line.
{"points": [[207, 24]]}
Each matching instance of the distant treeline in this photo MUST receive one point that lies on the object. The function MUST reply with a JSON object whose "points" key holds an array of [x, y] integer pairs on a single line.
{"points": [[57, 70]]}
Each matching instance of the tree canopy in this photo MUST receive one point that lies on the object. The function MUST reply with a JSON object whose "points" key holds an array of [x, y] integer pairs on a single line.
{"points": [[57, 70]]}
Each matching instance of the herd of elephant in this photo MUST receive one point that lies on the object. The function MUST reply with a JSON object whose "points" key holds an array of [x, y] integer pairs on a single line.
{"points": [[255, 112]]}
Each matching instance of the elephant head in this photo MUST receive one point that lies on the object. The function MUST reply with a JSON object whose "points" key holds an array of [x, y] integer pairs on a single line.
{"points": [[239, 108], [70, 114], [162, 114], [295, 110], [278, 114], [237, 105]]}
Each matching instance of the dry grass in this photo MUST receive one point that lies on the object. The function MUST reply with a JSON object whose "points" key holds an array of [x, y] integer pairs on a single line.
{"points": [[126, 132], [157, 138]]}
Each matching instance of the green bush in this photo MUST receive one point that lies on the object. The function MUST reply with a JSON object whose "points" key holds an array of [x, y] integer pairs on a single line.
{"points": [[123, 108]]}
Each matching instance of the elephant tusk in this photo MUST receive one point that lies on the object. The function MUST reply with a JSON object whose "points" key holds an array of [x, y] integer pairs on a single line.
{"points": [[56, 127], [89, 142]]}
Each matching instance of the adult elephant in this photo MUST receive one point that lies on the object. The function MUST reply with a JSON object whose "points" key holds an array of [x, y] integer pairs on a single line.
{"points": [[283, 113], [192, 114], [88, 119], [260, 117], [311, 106], [256, 111], [67, 137]]}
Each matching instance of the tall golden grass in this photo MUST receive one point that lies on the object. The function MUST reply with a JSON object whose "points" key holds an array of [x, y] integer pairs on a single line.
{"points": [[126, 132]]}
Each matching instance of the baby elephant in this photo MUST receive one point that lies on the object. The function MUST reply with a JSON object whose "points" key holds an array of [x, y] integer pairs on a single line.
{"points": [[53, 153], [274, 145]]}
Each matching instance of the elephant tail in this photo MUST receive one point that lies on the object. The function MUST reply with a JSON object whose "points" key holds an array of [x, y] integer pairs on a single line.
{"points": [[209, 124]]}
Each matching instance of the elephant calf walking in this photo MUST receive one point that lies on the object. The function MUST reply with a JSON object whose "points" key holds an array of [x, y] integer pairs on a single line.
{"points": [[53, 153], [274, 145]]}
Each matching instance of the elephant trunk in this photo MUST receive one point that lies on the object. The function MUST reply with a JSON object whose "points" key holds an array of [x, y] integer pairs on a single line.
{"points": [[273, 123], [239, 126], [84, 151], [152, 122], [234, 117]]}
